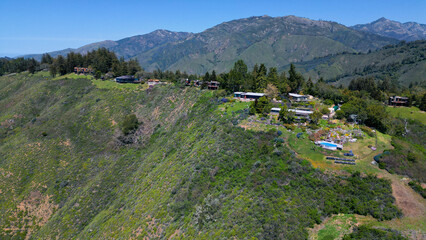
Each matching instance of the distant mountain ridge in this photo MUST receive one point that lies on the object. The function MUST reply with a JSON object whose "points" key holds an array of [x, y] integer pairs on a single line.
{"points": [[409, 31], [275, 41], [404, 63], [126, 47]]}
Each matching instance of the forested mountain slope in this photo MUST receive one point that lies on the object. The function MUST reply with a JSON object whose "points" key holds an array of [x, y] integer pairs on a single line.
{"points": [[68, 171], [275, 41], [404, 63]]}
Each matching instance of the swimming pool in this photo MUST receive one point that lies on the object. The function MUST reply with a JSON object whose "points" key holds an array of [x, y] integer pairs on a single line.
{"points": [[327, 144]]}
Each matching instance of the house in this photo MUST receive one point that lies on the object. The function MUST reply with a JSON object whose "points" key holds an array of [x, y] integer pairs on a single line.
{"points": [[275, 111], [213, 85], [297, 97], [81, 70], [153, 82], [298, 114], [301, 114], [398, 101], [248, 95], [127, 79]]}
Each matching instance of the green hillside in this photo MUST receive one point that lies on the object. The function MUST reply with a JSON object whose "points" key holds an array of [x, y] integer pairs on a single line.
{"points": [[188, 171], [404, 63]]}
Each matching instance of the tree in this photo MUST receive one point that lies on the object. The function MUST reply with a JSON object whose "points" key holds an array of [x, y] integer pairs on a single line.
{"points": [[315, 117], [296, 80], [237, 75], [271, 91], [325, 111], [286, 116], [423, 103], [46, 59], [133, 67], [32, 65], [60, 65], [309, 87], [206, 79], [213, 76], [129, 124], [261, 106]]}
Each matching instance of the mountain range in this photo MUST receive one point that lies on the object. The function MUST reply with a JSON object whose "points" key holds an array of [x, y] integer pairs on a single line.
{"points": [[409, 31], [275, 41]]}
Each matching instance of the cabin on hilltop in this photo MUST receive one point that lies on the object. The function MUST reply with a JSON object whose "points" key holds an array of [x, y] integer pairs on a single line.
{"points": [[127, 79], [213, 85], [82, 70], [297, 97], [398, 101], [153, 82]]}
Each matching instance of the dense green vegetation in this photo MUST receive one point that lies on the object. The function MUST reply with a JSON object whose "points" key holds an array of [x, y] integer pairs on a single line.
{"points": [[101, 61], [418, 188], [402, 65], [366, 233], [188, 171]]}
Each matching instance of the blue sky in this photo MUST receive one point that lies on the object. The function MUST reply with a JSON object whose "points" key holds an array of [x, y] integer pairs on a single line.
{"points": [[38, 26]]}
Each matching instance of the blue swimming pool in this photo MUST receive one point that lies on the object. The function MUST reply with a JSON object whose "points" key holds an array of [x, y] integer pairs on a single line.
{"points": [[327, 144]]}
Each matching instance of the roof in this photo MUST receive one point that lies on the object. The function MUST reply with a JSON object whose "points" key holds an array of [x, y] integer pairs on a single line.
{"points": [[295, 95], [276, 109], [238, 92], [253, 94], [406, 98], [300, 111], [125, 77]]}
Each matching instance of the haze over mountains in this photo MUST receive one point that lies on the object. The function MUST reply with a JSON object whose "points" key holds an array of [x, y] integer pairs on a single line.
{"points": [[275, 41]]}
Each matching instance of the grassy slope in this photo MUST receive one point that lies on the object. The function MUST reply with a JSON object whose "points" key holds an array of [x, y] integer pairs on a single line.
{"points": [[412, 113], [192, 173]]}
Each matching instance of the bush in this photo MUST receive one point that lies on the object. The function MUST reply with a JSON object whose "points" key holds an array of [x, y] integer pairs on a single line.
{"points": [[367, 130], [418, 188], [129, 124], [328, 102], [364, 232]]}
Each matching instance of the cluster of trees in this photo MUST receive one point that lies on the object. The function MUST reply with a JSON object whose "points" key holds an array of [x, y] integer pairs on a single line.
{"points": [[171, 76], [18, 65], [101, 61], [239, 78]]}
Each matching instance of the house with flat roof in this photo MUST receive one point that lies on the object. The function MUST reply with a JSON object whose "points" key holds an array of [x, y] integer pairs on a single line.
{"points": [[275, 111], [301, 114], [297, 97], [298, 114], [127, 79], [398, 101], [248, 95]]}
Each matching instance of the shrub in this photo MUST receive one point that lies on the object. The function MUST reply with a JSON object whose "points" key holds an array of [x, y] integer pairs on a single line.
{"points": [[364, 232], [418, 188], [129, 124], [367, 130]]}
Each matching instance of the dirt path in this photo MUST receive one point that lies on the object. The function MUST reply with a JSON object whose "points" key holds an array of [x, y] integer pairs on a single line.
{"points": [[410, 202]]}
